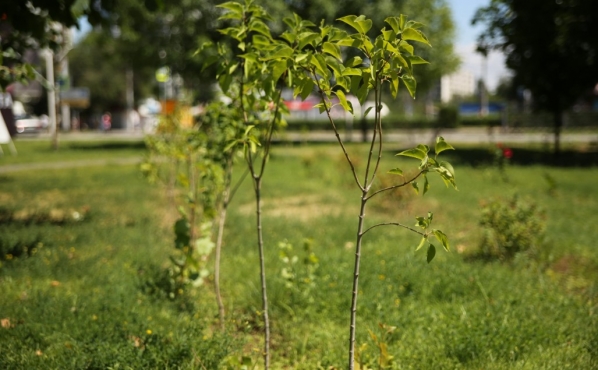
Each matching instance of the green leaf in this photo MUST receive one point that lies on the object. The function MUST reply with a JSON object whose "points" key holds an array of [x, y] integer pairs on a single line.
{"points": [[344, 82], [343, 100], [414, 185], [248, 129], [367, 111], [396, 171], [431, 253], [232, 6], [363, 91], [282, 51], [260, 27], [442, 145], [406, 47], [394, 22], [415, 59], [398, 60], [394, 84], [414, 24], [421, 243], [442, 238], [321, 107], [278, 68], [426, 185], [332, 49], [416, 153], [306, 38], [414, 35], [360, 24], [389, 35], [288, 37], [307, 88], [410, 84], [353, 62], [335, 65], [351, 72], [448, 166], [351, 41], [224, 81], [301, 57], [319, 63], [260, 41]]}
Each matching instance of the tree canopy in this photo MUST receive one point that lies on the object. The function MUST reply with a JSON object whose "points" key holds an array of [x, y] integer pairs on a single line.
{"points": [[35, 24], [434, 14], [551, 46]]}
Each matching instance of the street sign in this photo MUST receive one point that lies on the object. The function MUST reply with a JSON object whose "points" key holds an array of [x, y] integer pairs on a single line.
{"points": [[77, 97]]}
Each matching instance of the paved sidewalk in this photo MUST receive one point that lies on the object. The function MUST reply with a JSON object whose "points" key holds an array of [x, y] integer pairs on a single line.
{"points": [[467, 136], [470, 135]]}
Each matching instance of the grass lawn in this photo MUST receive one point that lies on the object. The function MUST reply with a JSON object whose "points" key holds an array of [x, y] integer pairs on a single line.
{"points": [[36, 151], [79, 246]]}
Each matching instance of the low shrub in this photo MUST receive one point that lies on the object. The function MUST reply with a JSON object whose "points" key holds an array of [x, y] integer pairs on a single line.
{"points": [[448, 117], [510, 227]]}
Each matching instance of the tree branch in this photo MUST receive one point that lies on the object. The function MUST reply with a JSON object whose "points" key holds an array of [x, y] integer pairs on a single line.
{"points": [[338, 137], [395, 186], [393, 224]]}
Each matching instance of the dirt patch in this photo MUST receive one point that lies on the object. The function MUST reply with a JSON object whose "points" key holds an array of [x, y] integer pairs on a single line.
{"points": [[575, 273]]}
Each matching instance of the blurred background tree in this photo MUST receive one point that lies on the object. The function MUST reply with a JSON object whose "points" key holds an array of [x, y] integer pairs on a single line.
{"points": [[36, 24], [551, 47], [137, 37]]}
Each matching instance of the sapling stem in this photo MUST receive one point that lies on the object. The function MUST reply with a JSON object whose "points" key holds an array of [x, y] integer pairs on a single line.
{"points": [[257, 177], [226, 196]]}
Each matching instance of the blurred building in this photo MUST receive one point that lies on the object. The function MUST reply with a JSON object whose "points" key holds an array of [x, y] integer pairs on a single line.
{"points": [[461, 83]]}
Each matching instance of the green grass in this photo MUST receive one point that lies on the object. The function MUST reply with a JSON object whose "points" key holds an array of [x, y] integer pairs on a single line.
{"points": [[77, 301], [35, 151]]}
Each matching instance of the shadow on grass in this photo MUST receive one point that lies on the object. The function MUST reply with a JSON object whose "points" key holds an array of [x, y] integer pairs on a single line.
{"points": [[479, 157]]}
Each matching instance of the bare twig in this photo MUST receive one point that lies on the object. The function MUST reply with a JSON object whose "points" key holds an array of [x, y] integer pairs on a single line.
{"points": [[393, 224], [395, 186], [336, 133]]}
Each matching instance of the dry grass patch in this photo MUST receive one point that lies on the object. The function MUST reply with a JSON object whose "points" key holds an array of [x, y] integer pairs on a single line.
{"points": [[303, 208]]}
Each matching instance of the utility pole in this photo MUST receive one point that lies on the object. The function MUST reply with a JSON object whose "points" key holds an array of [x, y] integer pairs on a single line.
{"points": [[51, 97], [64, 77]]}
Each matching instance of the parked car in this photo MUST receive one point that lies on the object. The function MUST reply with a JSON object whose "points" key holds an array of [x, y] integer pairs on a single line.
{"points": [[29, 123]]}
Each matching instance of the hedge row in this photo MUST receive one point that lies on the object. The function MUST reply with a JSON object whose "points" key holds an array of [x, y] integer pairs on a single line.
{"points": [[449, 119]]}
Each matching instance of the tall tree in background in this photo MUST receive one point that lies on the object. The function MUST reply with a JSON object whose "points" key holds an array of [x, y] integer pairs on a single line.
{"points": [[551, 46], [36, 24], [96, 63]]}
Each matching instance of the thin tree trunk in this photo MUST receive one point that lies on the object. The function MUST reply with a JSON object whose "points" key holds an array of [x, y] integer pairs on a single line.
{"points": [[221, 222], [219, 237], [356, 281], [260, 241]]}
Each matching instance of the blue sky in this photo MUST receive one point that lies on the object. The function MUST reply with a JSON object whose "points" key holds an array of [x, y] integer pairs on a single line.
{"points": [[463, 11]]}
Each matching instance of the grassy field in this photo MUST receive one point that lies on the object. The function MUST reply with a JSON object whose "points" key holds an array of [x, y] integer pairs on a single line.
{"points": [[79, 248]]}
